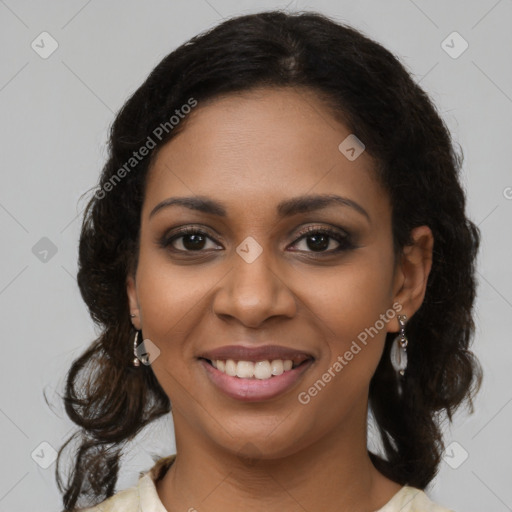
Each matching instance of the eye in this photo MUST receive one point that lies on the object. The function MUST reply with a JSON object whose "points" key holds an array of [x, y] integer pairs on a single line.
{"points": [[317, 240], [187, 239]]}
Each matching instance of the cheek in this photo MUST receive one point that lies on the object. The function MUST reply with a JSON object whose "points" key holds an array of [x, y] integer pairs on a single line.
{"points": [[168, 295], [168, 300], [356, 294], [355, 308], [364, 294]]}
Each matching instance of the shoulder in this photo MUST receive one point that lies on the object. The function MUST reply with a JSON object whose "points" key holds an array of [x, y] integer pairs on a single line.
{"points": [[411, 499], [126, 500], [142, 496]]}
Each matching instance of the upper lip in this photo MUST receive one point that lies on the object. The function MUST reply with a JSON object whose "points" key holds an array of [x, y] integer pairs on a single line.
{"points": [[254, 354]]}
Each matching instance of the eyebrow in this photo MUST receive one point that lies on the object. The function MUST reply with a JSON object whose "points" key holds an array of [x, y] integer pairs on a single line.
{"points": [[286, 208]]}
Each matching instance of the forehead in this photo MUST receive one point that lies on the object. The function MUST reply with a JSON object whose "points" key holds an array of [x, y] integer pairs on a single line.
{"points": [[258, 147]]}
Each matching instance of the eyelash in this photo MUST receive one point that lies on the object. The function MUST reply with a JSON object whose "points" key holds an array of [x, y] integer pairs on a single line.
{"points": [[344, 240]]}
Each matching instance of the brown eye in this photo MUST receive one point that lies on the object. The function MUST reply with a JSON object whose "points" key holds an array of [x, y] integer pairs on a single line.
{"points": [[187, 240], [320, 239], [192, 242]]}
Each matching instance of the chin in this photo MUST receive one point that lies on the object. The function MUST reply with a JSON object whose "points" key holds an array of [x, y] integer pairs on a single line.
{"points": [[263, 438]]}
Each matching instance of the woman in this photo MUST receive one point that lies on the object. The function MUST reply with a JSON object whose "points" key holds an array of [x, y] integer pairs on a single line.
{"points": [[278, 243]]}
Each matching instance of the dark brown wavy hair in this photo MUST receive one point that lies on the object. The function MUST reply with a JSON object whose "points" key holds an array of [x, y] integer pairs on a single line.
{"points": [[367, 87]]}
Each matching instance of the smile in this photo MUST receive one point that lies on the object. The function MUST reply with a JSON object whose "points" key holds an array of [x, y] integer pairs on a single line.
{"points": [[254, 373], [262, 370]]}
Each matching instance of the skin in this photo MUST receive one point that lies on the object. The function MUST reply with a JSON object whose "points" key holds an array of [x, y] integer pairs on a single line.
{"points": [[250, 151]]}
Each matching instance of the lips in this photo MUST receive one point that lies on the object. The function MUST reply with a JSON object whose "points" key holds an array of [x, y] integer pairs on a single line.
{"points": [[245, 387], [255, 354]]}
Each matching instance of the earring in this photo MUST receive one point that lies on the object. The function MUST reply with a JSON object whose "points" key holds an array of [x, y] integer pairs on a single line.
{"points": [[399, 351], [136, 361]]}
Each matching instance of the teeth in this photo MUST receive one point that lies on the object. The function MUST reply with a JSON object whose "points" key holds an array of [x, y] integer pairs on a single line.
{"points": [[230, 368], [277, 367], [244, 369], [261, 370]]}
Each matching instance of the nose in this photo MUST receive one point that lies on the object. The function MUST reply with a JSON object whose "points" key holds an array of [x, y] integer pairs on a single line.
{"points": [[253, 292]]}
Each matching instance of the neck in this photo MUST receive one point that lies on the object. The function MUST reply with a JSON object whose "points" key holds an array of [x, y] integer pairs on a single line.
{"points": [[333, 474]]}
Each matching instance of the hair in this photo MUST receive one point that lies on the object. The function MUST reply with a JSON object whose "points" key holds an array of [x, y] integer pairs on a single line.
{"points": [[366, 86]]}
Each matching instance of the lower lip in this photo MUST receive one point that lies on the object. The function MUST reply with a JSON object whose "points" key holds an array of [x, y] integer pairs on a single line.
{"points": [[254, 390]]}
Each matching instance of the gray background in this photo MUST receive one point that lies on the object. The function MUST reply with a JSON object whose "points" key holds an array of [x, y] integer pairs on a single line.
{"points": [[55, 115]]}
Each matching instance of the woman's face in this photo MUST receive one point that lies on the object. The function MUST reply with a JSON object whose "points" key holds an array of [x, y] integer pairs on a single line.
{"points": [[250, 171]]}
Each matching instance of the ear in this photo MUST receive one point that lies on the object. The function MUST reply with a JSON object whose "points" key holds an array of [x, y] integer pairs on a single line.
{"points": [[133, 301], [411, 274]]}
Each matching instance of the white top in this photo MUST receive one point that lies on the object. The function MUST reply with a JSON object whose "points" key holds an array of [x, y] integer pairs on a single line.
{"points": [[143, 496]]}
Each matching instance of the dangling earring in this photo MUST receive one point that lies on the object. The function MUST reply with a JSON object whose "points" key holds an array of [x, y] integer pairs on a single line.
{"points": [[136, 361], [399, 352]]}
